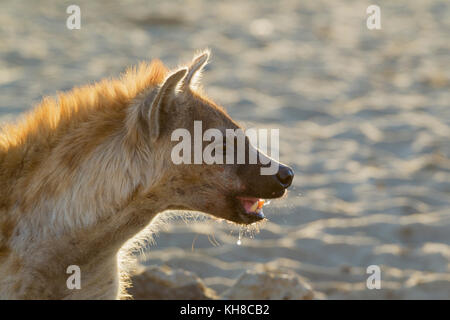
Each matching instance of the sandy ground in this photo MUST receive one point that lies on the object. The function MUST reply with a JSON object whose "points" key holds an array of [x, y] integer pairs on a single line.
{"points": [[364, 119]]}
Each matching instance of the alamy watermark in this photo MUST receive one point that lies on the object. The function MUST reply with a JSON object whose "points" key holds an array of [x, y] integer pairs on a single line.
{"points": [[74, 20], [373, 21], [74, 280], [231, 146], [374, 280]]}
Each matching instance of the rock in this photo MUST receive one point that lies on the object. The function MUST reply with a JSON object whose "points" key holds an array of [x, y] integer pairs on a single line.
{"points": [[164, 283], [270, 285]]}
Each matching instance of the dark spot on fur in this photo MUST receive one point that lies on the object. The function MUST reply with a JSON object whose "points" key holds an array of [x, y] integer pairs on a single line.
{"points": [[16, 265], [7, 228], [4, 251], [209, 206], [152, 197]]}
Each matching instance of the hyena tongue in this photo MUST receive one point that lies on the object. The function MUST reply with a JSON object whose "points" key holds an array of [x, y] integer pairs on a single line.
{"points": [[249, 204], [253, 206]]}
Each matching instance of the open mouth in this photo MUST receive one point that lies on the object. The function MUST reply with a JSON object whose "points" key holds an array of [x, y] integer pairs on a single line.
{"points": [[253, 207]]}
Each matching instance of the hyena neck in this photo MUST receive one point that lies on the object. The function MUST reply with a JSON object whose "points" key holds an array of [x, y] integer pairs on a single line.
{"points": [[97, 191]]}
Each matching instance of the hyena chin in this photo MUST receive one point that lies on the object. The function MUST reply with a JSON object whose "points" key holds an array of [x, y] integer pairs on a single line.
{"points": [[83, 173]]}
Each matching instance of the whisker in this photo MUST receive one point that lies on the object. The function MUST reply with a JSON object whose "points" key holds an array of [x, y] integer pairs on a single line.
{"points": [[193, 242]]}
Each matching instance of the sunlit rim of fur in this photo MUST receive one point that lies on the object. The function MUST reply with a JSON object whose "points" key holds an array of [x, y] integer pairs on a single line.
{"points": [[53, 113]]}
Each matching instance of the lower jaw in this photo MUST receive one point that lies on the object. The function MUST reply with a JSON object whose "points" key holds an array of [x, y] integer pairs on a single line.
{"points": [[249, 218], [244, 217]]}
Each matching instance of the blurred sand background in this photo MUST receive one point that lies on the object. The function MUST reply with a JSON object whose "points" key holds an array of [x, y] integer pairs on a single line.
{"points": [[364, 119]]}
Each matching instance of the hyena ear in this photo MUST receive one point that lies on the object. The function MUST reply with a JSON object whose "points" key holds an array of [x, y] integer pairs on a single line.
{"points": [[167, 90], [195, 70]]}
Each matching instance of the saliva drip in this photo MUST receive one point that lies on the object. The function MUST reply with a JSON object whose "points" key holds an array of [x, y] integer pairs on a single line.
{"points": [[239, 241]]}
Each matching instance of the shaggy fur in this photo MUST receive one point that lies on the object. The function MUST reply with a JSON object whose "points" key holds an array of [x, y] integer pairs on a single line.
{"points": [[82, 174]]}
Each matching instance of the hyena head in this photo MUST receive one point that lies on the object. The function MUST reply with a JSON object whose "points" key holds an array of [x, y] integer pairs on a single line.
{"points": [[231, 189]]}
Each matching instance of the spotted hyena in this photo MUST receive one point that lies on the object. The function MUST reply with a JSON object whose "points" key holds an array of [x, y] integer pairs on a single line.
{"points": [[85, 172]]}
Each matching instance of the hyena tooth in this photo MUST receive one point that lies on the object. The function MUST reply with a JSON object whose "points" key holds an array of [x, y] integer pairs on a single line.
{"points": [[261, 203]]}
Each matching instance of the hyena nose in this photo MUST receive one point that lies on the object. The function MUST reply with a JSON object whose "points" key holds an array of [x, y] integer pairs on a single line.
{"points": [[285, 176]]}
